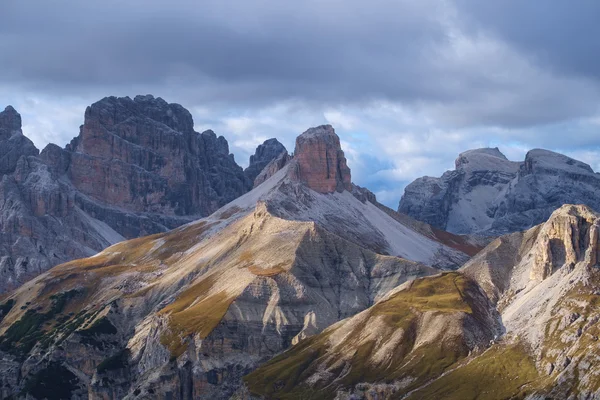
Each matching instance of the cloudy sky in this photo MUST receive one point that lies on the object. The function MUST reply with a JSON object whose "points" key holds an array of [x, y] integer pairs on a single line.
{"points": [[407, 84]]}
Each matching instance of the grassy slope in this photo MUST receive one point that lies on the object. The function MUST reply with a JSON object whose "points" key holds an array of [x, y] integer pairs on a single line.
{"points": [[285, 376], [499, 373]]}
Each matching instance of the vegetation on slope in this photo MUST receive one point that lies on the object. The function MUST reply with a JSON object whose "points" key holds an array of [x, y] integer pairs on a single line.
{"points": [[195, 311], [317, 367], [502, 372]]}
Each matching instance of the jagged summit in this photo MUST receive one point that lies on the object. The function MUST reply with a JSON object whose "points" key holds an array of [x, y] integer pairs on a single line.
{"points": [[265, 153], [320, 162], [136, 168], [150, 143], [10, 121], [112, 111], [13, 144]]}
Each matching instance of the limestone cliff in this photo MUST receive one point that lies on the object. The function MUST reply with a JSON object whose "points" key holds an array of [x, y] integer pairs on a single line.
{"points": [[487, 194], [320, 162], [265, 153], [136, 168]]}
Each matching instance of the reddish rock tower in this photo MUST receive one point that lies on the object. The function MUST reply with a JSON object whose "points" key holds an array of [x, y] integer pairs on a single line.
{"points": [[320, 161]]}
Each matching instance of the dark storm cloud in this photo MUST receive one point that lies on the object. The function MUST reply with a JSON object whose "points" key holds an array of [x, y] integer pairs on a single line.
{"points": [[260, 52], [560, 35], [316, 50]]}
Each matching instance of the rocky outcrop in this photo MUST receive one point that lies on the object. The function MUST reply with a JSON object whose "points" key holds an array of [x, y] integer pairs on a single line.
{"points": [[488, 195], [265, 153], [142, 155], [13, 145], [568, 238], [546, 282], [320, 162], [136, 168], [272, 168], [520, 320]]}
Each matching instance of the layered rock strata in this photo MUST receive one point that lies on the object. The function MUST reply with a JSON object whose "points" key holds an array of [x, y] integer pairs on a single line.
{"points": [[489, 195]]}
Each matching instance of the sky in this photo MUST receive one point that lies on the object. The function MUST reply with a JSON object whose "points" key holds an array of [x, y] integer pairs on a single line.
{"points": [[407, 85]]}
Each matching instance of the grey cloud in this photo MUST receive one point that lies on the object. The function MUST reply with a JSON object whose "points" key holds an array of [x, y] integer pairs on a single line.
{"points": [[255, 53], [559, 35]]}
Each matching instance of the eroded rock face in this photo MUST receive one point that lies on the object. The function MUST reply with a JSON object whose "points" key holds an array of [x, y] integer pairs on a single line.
{"points": [[13, 144], [272, 168], [568, 238], [320, 161], [143, 155], [490, 195], [265, 153], [136, 168]]}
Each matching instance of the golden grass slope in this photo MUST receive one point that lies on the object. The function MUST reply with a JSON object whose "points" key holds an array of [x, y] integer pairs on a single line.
{"points": [[403, 341]]}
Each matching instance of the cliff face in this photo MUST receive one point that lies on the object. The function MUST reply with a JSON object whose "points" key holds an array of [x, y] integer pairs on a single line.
{"points": [[143, 155], [265, 153], [320, 161], [13, 144], [487, 194], [136, 168]]}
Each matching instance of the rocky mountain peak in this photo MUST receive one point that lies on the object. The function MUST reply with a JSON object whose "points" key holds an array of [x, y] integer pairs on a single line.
{"points": [[112, 111], [540, 160], [490, 195], [270, 150], [217, 143], [137, 167], [13, 144], [320, 161], [10, 121], [569, 237], [490, 159], [173, 170]]}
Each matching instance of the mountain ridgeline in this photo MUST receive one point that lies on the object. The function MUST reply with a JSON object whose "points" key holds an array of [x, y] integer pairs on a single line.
{"points": [[187, 313], [136, 168], [489, 195], [286, 280]]}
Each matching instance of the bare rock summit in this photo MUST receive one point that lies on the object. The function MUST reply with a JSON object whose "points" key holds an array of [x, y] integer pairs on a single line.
{"points": [[320, 161], [270, 150], [13, 144], [487, 194]]}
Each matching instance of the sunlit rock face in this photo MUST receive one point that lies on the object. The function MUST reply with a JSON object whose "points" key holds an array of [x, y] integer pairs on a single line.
{"points": [[320, 161]]}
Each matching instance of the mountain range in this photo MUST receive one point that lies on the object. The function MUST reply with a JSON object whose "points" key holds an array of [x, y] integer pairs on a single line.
{"points": [[286, 280], [136, 168], [489, 195]]}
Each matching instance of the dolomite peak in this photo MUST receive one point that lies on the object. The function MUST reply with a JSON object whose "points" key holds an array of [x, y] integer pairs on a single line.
{"points": [[320, 161]]}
